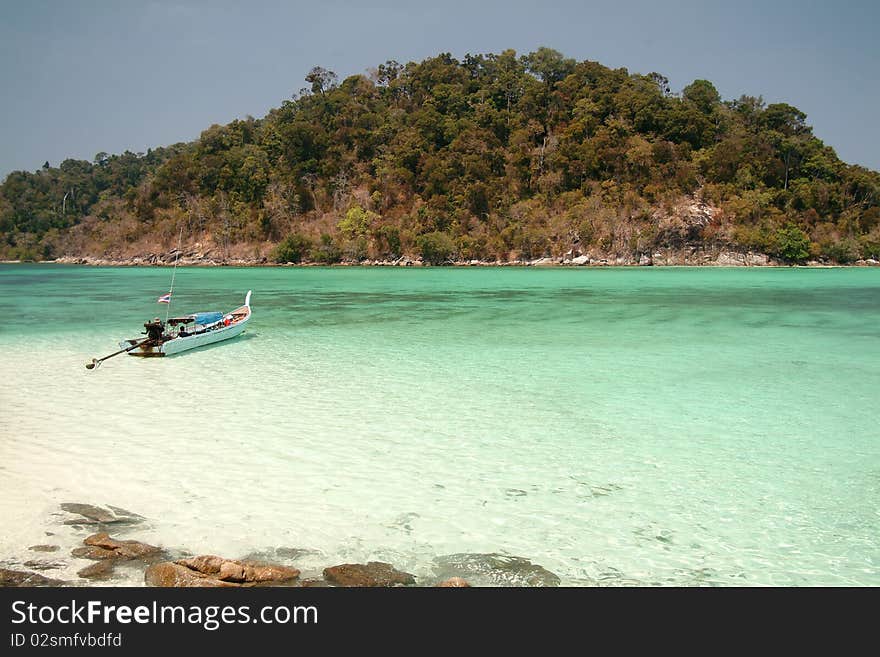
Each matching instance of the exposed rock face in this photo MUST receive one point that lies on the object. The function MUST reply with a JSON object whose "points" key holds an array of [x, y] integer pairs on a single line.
{"points": [[494, 570], [101, 546], [685, 224], [454, 582], [209, 570], [374, 573], [580, 260], [23, 578], [732, 259]]}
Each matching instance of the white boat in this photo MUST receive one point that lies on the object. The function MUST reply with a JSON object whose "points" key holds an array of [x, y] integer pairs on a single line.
{"points": [[189, 331]]}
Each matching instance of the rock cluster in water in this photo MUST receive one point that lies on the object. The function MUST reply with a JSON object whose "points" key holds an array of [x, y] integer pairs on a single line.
{"points": [[258, 569]]}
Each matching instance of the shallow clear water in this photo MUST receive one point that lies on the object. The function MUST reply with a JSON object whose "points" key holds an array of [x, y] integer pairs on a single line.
{"points": [[635, 426]]}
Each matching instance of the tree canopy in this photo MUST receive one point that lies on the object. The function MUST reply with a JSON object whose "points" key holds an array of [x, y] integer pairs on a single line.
{"points": [[493, 156]]}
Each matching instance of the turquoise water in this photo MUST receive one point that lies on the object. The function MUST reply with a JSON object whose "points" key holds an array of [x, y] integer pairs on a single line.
{"points": [[617, 426]]}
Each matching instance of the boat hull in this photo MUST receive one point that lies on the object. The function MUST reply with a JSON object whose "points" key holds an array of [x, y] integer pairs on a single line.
{"points": [[178, 345]]}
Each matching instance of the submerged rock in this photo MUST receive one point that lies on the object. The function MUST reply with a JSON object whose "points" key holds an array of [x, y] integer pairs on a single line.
{"points": [[210, 570], [100, 546], [96, 515], [100, 570], [44, 548], [494, 570], [374, 573], [39, 564], [12, 578], [125, 514], [270, 554]]}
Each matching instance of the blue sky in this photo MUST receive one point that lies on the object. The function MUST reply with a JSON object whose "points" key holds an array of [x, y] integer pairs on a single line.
{"points": [[85, 76]]}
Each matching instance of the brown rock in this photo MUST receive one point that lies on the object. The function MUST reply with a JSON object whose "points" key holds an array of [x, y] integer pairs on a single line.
{"points": [[269, 573], [207, 564], [99, 570], [231, 571], [44, 548], [23, 578], [454, 582], [91, 552], [104, 547], [168, 574], [374, 573], [210, 570]]}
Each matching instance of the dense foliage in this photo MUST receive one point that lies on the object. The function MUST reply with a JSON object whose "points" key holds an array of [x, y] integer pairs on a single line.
{"points": [[493, 157]]}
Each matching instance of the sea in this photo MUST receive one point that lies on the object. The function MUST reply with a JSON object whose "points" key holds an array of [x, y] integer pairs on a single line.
{"points": [[616, 426]]}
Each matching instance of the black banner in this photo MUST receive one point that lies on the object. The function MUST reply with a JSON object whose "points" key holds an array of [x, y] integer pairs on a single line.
{"points": [[126, 619]]}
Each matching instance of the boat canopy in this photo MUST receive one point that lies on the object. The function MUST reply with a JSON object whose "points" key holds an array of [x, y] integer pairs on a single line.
{"points": [[207, 318], [199, 318]]}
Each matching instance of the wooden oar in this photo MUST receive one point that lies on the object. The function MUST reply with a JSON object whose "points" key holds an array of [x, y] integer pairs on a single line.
{"points": [[97, 361]]}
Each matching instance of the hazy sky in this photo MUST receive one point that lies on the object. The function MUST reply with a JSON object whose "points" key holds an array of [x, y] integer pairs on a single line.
{"points": [[85, 76]]}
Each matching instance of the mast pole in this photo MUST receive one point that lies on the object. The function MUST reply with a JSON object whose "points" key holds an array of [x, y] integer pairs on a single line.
{"points": [[173, 272]]}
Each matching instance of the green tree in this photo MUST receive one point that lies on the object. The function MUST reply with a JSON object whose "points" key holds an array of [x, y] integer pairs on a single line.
{"points": [[436, 248], [792, 244], [356, 222], [292, 248], [321, 80], [703, 95], [551, 66], [326, 251]]}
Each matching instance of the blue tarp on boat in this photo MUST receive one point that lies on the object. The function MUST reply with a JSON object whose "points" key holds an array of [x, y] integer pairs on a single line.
{"points": [[207, 318]]}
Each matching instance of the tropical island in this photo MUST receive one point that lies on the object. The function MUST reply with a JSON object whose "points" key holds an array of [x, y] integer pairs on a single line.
{"points": [[496, 158]]}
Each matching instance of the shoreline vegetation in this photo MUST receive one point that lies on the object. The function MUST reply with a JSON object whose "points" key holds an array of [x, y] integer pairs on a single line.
{"points": [[495, 158], [676, 259]]}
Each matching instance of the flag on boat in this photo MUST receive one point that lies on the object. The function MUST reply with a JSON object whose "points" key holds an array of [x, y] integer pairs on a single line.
{"points": [[165, 298]]}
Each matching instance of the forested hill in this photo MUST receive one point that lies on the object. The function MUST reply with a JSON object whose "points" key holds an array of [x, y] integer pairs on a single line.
{"points": [[495, 157]]}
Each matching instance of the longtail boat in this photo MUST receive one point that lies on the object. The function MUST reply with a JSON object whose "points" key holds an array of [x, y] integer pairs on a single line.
{"points": [[189, 331]]}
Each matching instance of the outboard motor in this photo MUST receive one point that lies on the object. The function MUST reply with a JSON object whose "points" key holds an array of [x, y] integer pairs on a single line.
{"points": [[155, 329]]}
